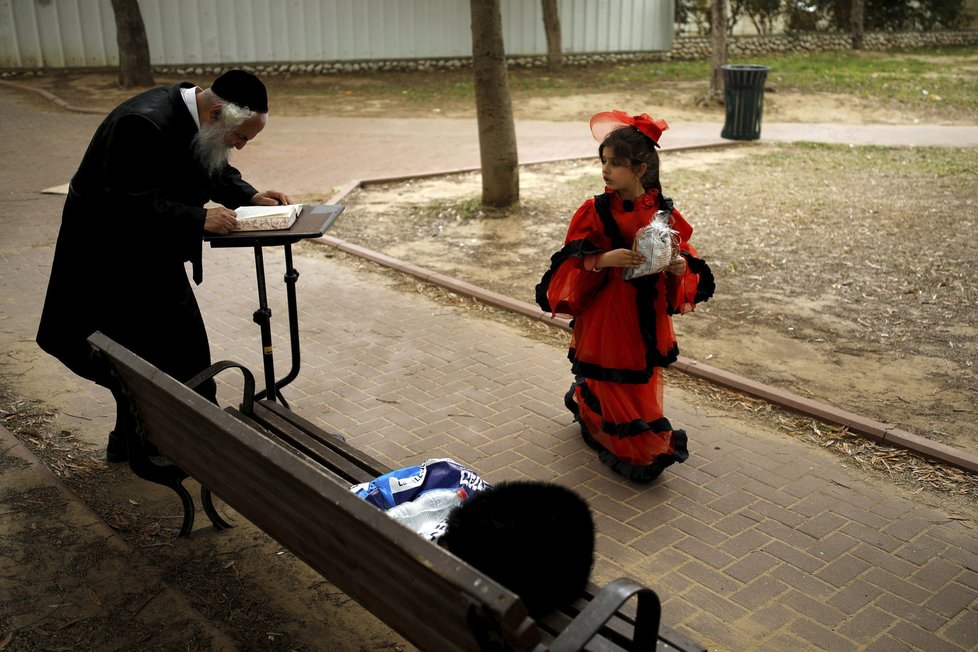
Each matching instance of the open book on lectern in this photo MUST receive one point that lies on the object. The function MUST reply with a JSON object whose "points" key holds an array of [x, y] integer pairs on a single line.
{"points": [[267, 218]]}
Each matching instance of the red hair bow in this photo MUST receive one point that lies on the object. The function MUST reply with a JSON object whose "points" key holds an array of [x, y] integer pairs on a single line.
{"points": [[603, 123]]}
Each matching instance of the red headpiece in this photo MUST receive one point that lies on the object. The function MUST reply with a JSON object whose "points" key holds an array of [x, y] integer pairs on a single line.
{"points": [[603, 123]]}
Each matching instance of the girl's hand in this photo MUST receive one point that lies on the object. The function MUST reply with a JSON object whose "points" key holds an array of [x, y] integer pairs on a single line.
{"points": [[677, 267], [620, 258]]}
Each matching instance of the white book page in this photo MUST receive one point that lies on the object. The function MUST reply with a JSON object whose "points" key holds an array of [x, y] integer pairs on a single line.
{"points": [[251, 212]]}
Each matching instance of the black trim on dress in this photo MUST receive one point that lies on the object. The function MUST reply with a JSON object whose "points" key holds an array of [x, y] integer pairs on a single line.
{"points": [[575, 249]]}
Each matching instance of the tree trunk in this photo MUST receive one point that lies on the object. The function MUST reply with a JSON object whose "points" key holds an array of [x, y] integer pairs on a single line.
{"points": [[551, 26], [494, 109], [718, 32], [134, 64], [857, 24]]}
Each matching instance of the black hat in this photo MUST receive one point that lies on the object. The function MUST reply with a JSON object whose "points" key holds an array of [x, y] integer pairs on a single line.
{"points": [[242, 88]]}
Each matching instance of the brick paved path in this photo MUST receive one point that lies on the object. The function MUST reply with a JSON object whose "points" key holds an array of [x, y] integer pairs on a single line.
{"points": [[759, 541]]}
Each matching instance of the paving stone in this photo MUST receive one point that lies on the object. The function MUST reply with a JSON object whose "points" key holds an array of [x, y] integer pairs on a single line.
{"points": [[906, 528], [866, 625], [650, 519], [952, 599], [800, 480], [910, 612], [966, 556], [698, 530], [797, 558], [821, 525], [744, 542], [705, 575], [528, 468], [732, 501], [934, 574], [759, 593], [751, 566], [780, 514], [895, 585], [921, 639], [854, 595], [832, 546], [811, 608], [806, 583], [706, 553], [789, 536], [693, 492], [887, 644], [819, 635], [705, 625], [963, 629], [783, 641], [609, 546], [718, 606], [664, 559], [875, 538], [969, 577], [734, 524], [653, 539], [842, 571], [721, 467]]}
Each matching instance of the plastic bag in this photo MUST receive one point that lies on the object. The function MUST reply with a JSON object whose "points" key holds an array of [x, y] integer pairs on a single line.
{"points": [[658, 243]]}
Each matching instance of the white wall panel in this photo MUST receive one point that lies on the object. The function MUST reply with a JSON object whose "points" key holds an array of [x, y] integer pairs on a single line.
{"points": [[81, 33]]}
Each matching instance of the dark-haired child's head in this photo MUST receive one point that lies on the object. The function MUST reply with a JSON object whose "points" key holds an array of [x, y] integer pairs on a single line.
{"points": [[534, 538], [632, 145]]}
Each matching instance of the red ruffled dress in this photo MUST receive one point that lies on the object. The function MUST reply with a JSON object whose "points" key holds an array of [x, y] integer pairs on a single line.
{"points": [[623, 335]]}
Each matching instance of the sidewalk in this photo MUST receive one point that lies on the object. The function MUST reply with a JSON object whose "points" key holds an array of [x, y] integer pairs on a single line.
{"points": [[312, 155], [758, 541]]}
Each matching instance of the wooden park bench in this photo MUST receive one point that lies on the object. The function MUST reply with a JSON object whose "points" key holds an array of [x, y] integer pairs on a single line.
{"points": [[292, 480]]}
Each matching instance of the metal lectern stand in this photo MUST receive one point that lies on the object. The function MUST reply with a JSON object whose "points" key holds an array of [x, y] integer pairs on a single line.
{"points": [[313, 222]]}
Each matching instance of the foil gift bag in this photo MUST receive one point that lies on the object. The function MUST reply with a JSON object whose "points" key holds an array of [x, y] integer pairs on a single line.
{"points": [[657, 242]]}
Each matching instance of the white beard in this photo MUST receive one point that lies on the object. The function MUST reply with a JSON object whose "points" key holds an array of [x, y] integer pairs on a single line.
{"points": [[210, 149]]}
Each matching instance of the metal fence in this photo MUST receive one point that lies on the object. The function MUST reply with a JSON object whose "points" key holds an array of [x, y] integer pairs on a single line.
{"points": [[82, 33]]}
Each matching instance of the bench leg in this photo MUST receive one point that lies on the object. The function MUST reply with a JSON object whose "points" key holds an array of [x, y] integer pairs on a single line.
{"points": [[188, 508], [167, 475], [206, 500]]}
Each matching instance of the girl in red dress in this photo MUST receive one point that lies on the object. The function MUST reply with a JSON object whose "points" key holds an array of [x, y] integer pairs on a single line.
{"points": [[623, 335]]}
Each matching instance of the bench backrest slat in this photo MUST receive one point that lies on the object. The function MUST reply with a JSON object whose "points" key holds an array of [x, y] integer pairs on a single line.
{"points": [[419, 589], [315, 448], [356, 457]]}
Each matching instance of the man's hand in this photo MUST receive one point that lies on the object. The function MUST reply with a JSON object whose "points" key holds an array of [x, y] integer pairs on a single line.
{"points": [[270, 198], [220, 220]]}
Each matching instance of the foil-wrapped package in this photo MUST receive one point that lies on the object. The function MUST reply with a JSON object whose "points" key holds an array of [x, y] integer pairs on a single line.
{"points": [[657, 242]]}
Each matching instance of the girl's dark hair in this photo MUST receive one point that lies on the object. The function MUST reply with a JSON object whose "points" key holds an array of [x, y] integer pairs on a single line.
{"points": [[631, 144]]}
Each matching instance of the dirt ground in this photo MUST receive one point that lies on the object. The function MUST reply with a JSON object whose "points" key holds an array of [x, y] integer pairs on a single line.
{"points": [[848, 285]]}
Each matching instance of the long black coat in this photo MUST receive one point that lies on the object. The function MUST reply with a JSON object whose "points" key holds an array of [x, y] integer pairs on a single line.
{"points": [[133, 217]]}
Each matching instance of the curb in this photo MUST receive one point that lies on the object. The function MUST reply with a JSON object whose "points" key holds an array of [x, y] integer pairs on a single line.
{"points": [[52, 98], [875, 431]]}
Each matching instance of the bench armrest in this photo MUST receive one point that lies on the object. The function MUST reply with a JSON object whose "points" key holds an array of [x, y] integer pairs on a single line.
{"points": [[604, 605], [248, 393]]}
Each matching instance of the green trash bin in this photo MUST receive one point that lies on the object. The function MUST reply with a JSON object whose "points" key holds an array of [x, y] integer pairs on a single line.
{"points": [[743, 100]]}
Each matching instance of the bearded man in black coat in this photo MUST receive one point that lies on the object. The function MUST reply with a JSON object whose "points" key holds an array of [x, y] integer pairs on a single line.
{"points": [[135, 215]]}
